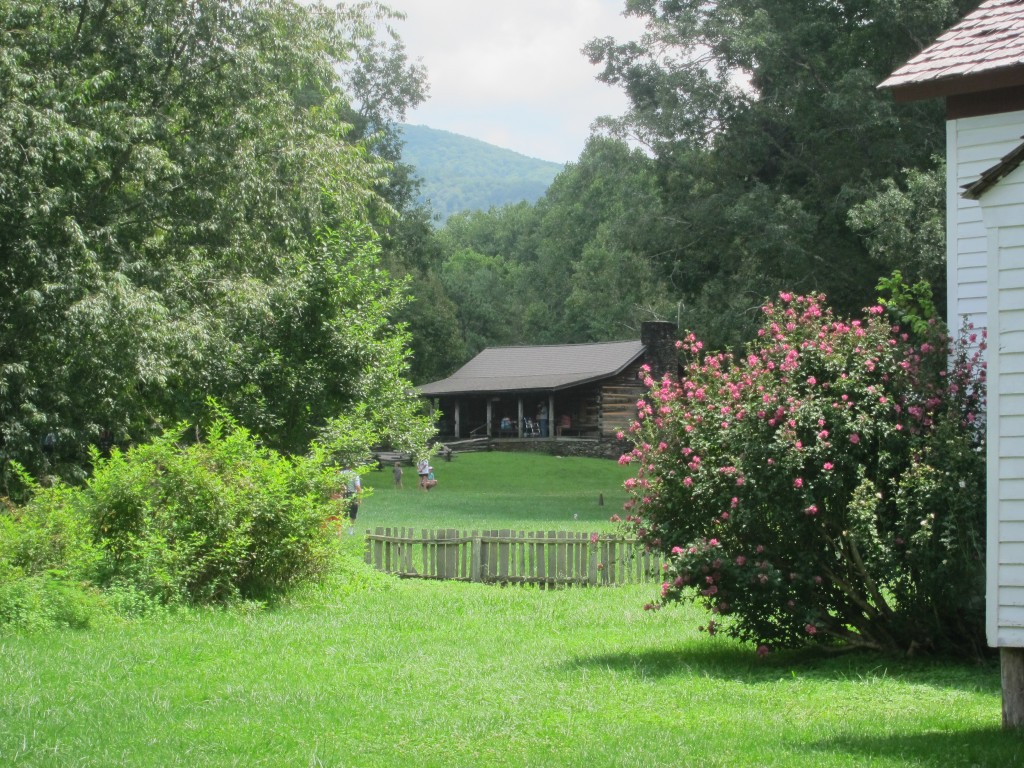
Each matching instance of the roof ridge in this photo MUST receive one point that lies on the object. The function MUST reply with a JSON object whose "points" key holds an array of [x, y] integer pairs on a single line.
{"points": [[566, 344]]}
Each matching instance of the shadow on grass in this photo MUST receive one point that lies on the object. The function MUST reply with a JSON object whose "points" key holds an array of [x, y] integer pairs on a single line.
{"points": [[729, 661], [977, 747]]}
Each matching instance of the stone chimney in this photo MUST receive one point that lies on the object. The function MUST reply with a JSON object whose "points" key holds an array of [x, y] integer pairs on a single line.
{"points": [[659, 338]]}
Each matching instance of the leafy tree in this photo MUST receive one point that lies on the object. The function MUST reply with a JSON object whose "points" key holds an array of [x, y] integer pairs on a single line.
{"points": [[906, 225], [602, 228], [180, 206], [766, 126], [486, 287]]}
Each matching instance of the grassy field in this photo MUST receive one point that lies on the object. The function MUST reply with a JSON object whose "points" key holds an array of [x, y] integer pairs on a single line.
{"points": [[520, 491], [365, 670]]}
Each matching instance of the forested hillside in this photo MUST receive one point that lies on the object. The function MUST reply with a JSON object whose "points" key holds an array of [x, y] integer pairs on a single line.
{"points": [[757, 156], [464, 174]]}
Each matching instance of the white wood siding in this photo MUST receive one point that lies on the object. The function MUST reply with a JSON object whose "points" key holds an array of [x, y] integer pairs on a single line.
{"points": [[973, 145], [1001, 209]]}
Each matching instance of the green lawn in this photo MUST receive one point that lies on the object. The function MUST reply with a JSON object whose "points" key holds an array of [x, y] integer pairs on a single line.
{"points": [[366, 670], [519, 491]]}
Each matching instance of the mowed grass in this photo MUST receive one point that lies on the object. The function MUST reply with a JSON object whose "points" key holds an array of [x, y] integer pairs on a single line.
{"points": [[367, 670], [517, 491]]}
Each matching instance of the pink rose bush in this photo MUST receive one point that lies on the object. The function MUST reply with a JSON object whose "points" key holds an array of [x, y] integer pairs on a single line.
{"points": [[825, 486]]}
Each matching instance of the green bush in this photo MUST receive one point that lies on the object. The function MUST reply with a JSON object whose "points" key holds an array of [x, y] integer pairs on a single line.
{"points": [[216, 521], [46, 600], [827, 486], [165, 523], [49, 536]]}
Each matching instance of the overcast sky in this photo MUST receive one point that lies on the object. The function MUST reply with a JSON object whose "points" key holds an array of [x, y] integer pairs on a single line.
{"points": [[510, 72]]}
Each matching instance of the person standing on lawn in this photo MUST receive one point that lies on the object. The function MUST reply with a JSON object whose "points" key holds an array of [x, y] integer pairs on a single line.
{"points": [[423, 470], [397, 473], [353, 494]]}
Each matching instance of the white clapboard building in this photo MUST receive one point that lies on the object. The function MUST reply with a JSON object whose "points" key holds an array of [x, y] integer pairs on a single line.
{"points": [[978, 68]]}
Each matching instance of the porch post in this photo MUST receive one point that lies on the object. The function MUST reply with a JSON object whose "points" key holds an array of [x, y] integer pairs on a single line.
{"points": [[551, 415], [519, 421], [458, 417], [490, 414]]}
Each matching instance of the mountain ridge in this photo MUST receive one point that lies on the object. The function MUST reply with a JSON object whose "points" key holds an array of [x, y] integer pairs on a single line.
{"points": [[460, 173]]}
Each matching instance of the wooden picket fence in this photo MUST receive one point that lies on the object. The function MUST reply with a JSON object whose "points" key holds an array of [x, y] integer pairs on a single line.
{"points": [[550, 558]]}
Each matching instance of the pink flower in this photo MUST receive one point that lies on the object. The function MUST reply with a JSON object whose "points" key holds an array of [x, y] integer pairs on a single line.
{"points": [[677, 550], [854, 438], [811, 510], [615, 519], [762, 651], [798, 483], [827, 466], [687, 481], [810, 629], [741, 560]]}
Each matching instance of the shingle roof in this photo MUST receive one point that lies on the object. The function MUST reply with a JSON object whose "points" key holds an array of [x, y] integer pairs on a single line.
{"points": [[521, 369], [984, 50]]}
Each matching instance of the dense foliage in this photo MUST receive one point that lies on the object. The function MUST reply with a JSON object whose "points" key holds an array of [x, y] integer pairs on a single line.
{"points": [[757, 155], [828, 485], [188, 196], [170, 523], [767, 127]]}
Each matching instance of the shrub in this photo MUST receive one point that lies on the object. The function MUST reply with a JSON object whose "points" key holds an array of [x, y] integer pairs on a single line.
{"points": [[827, 486], [46, 600], [219, 520], [54, 537], [166, 523]]}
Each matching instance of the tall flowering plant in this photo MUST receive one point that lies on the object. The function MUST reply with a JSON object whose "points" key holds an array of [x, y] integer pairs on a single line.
{"points": [[826, 486]]}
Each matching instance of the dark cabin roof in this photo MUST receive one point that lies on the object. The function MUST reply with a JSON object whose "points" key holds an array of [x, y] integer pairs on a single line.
{"points": [[547, 368], [983, 52]]}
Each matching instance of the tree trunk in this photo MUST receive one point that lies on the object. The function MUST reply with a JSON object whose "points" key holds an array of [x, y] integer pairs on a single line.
{"points": [[1012, 664]]}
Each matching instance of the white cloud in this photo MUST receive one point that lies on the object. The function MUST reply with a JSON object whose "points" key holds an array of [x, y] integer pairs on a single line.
{"points": [[512, 73]]}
